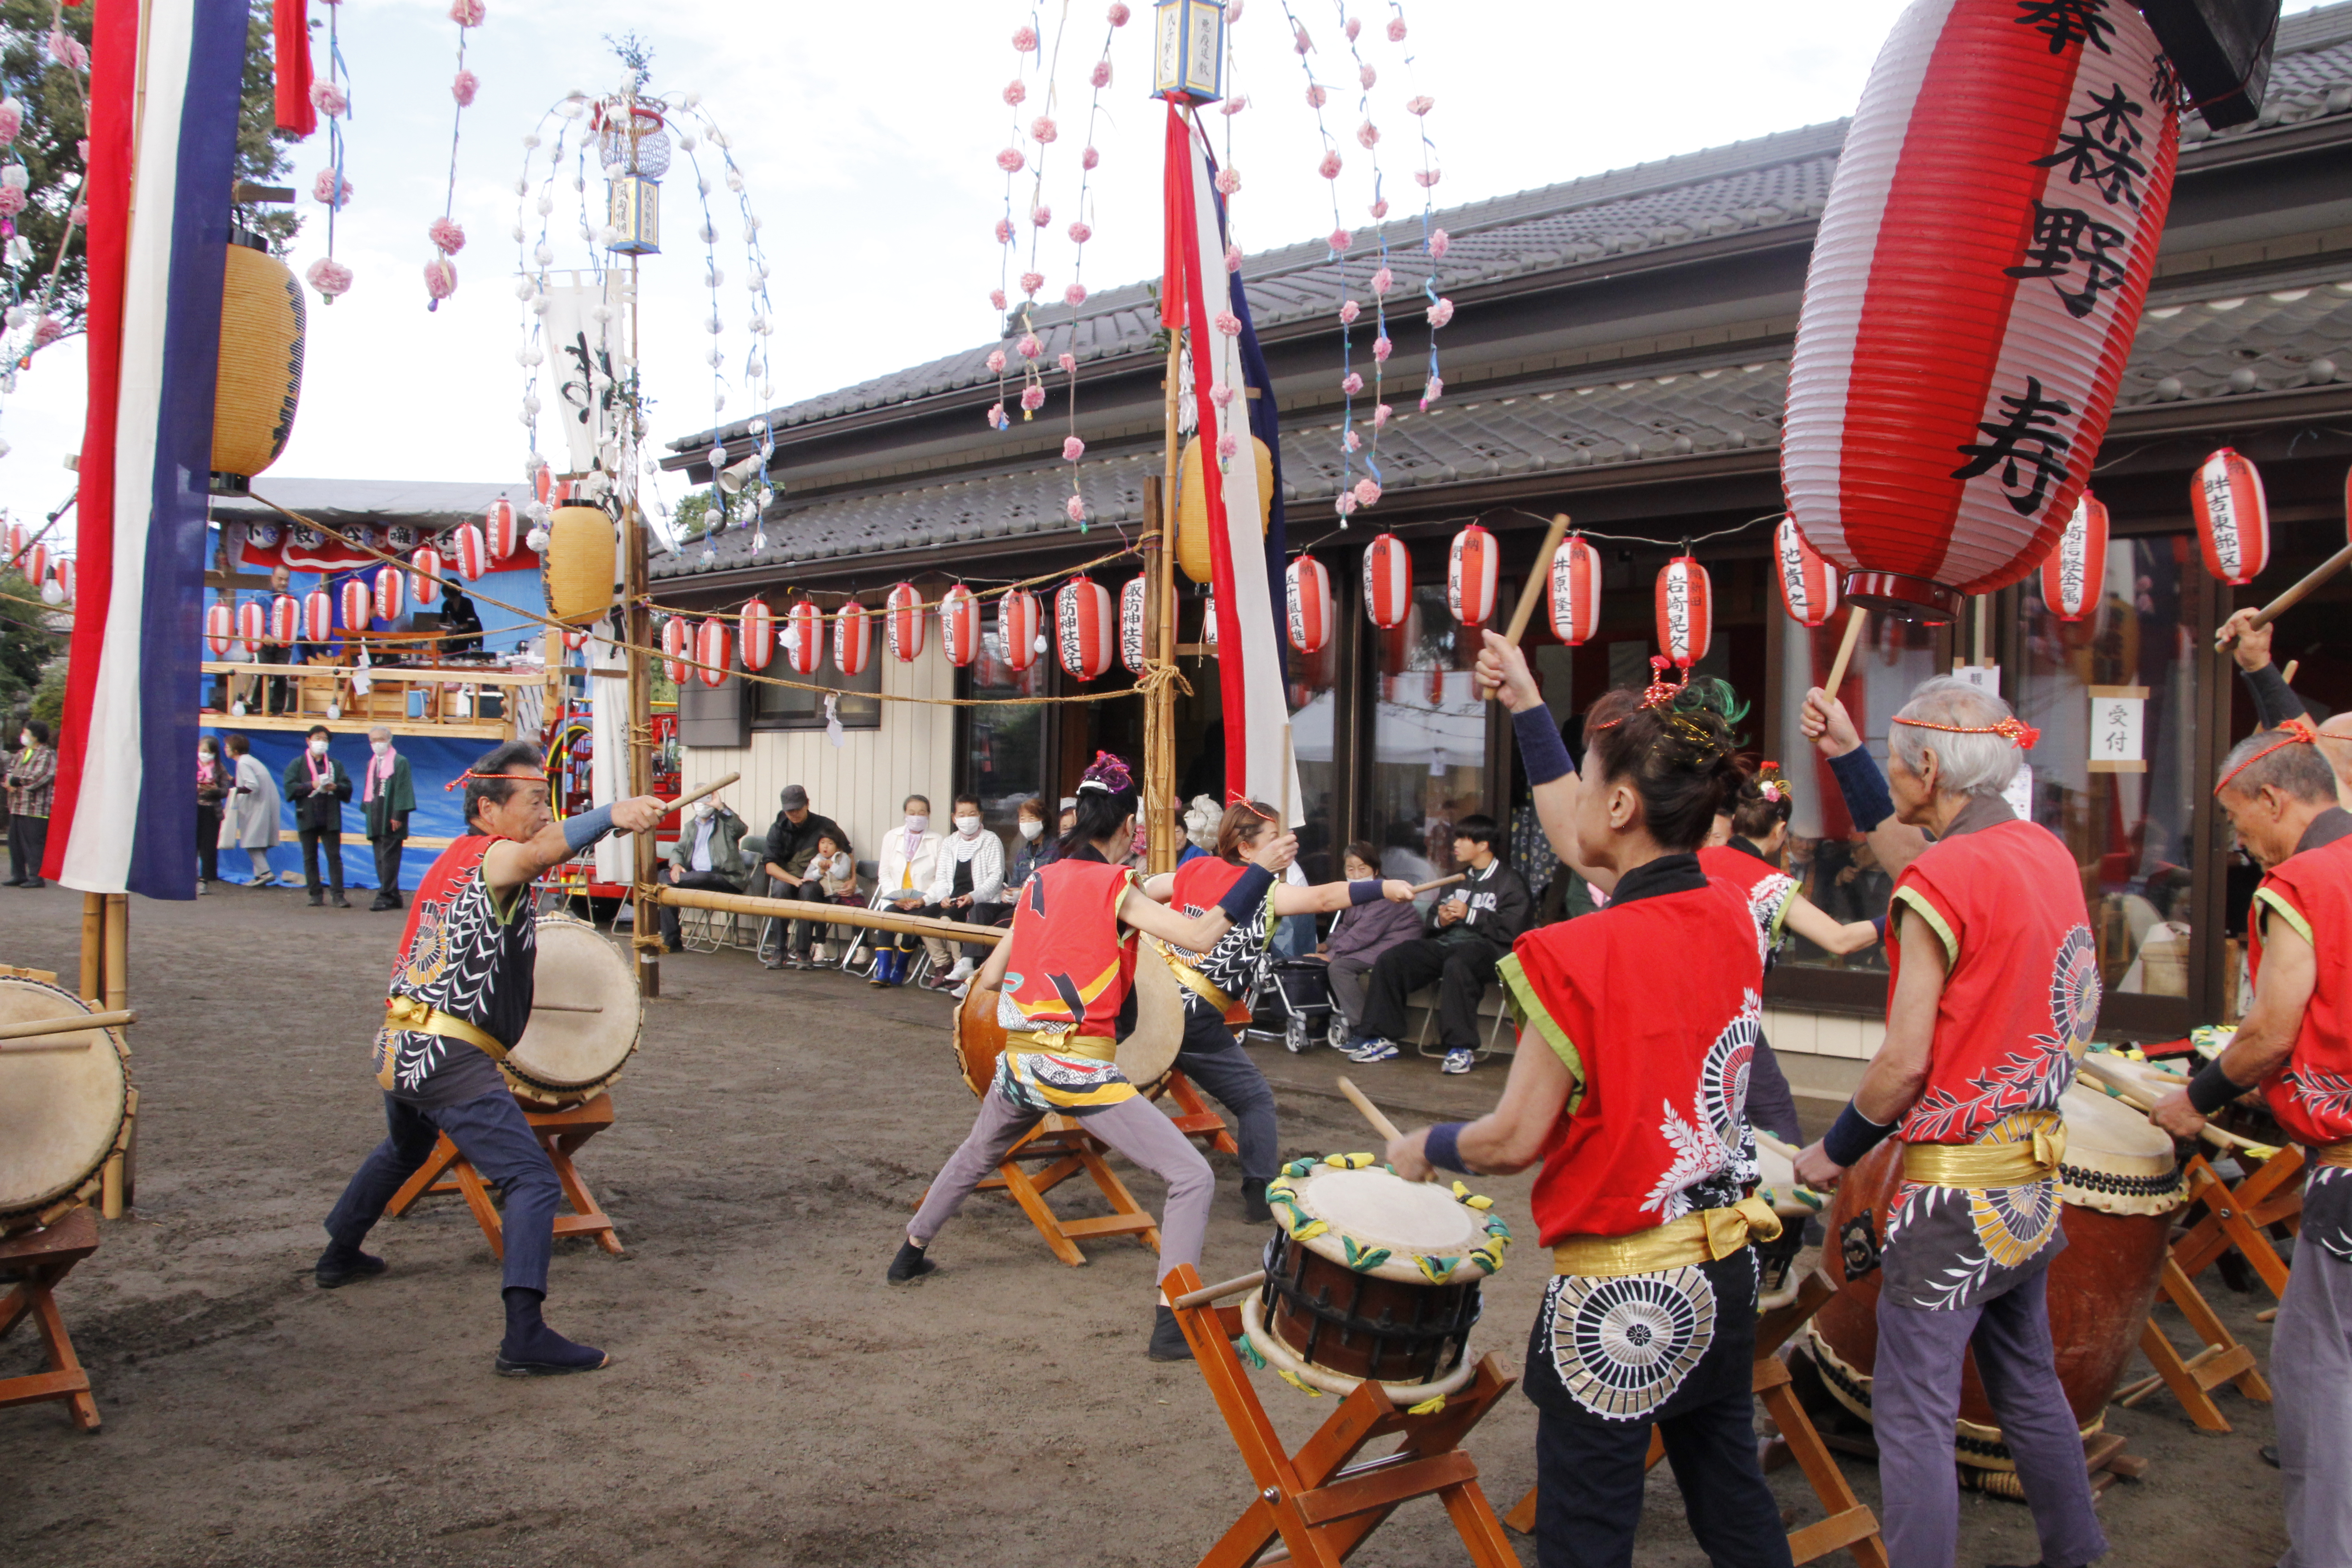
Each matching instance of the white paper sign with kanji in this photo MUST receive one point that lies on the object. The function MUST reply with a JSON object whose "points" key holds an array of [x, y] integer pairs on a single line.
{"points": [[2119, 725]]}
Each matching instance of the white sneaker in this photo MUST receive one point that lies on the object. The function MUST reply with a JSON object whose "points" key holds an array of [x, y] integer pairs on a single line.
{"points": [[1372, 1050], [1459, 1060], [820, 953], [962, 971]]}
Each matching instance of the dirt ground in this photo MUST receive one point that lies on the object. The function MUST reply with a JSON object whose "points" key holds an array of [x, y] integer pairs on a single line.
{"points": [[771, 1400]]}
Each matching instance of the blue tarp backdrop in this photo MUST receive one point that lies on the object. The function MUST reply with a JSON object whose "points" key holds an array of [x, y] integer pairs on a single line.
{"points": [[439, 814]]}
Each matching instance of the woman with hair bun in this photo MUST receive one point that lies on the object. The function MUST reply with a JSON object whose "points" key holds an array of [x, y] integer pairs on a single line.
{"points": [[1651, 1008]]}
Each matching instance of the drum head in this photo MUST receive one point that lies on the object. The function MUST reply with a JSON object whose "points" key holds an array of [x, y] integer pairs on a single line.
{"points": [[1149, 1052], [578, 1050], [2116, 1159], [1375, 1222], [60, 1110]]}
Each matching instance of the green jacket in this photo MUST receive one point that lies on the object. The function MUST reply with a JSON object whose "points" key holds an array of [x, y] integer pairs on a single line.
{"points": [[395, 798], [727, 832]]}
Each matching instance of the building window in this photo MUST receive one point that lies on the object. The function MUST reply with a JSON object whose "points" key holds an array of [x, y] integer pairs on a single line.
{"points": [[1004, 742], [1429, 740], [797, 708]]}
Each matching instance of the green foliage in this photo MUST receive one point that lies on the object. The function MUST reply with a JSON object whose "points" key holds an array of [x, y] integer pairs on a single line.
{"points": [[28, 649], [49, 696], [705, 510]]}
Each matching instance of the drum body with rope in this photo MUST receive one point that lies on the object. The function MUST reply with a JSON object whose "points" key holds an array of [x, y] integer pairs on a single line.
{"points": [[63, 1107], [2118, 1182], [1147, 1054], [1778, 1280], [1371, 1276], [575, 1051]]}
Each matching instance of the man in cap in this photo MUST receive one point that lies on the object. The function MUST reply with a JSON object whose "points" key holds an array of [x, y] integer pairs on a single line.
{"points": [[792, 845]]}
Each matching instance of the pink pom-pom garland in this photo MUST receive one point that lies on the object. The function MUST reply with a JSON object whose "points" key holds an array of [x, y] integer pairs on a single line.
{"points": [[330, 277], [1003, 231], [1076, 508], [1068, 362], [463, 86], [1382, 349], [1033, 397], [440, 279], [1340, 239], [1024, 40], [1232, 259], [1427, 178], [996, 359], [440, 273], [1229, 323], [1073, 448], [1440, 242], [1368, 135], [1080, 233], [1396, 31], [1441, 313], [12, 200], [446, 236], [1031, 281], [1090, 159], [1329, 165], [323, 189], [1229, 181], [12, 121], [1100, 76], [1043, 130], [1016, 92], [1029, 346], [1075, 294], [996, 298], [325, 97], [1349, 311], [1351, 383], [468, 12], [1118, 15], [1042, 216], [1227, 445], [1011, 163], [1420, 106]]}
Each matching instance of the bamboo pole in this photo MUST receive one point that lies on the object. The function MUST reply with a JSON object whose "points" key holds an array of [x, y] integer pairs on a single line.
{"points": [[93, 947], [118, 951], [827, 914], [1165, 811], [637, 621]]}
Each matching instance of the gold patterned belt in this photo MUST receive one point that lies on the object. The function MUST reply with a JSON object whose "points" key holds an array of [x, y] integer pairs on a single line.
{"points": [[1093, 1047], [1684, 1243], [2337, 1154], [2033, 1159], [419, 1017], [1192, 979]]}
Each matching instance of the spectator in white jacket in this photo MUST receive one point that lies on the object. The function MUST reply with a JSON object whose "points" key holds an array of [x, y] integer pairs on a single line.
{"points": [[968, 886], [910, 859]]}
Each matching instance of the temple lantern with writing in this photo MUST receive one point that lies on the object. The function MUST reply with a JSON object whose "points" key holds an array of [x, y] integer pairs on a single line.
{"points": [[1575, 590], [710, 651], [1809, 585], [1131, 601], [285, 620], [501, 532], [359, 607], [425, 585], [1973, 292], [1685, 611], [1084, 628], [2233, 521], [1018, 639], [318, 615], [1470, 577], [1388, 581], [472, 551], [1308, 596], [759, 637], [220, 625], [673, 641], [252, 627], [2071, 577], [852, 638], [959, 626], [902, 623], [391, 593], [804, 636]]}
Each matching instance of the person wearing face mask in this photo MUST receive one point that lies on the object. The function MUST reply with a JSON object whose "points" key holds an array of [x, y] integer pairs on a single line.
{"points": [[388, 796], [316, 786], [968, 886], [32, 778], [1029, 854], [910, 859], [707, 854], [250, 822], [212, 789]]}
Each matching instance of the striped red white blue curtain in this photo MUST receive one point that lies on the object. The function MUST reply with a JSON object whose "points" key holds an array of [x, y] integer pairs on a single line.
{"points": [[125, 815]]}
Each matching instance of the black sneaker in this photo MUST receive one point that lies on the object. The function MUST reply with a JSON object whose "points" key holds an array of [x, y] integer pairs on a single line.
{"points": [[1256, 1210], [909, 1266], [1168, 1340], [340, 903], [333, 1272], [546, 1353], [380, 905], [318, 901]]}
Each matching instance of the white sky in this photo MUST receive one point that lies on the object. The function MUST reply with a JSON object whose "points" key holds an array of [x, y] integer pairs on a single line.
{"points": [[867, 133]]}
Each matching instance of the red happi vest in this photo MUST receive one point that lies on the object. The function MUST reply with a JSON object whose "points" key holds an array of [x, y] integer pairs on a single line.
{"points": [[1765, 888], [2311, 1091], [1071, 965], [1229, 966], [2021, 988], [459, 954], [1659, 998]]}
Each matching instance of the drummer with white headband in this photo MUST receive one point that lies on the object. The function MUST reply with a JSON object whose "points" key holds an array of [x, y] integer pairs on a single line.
{"points": [[460, 997], [1994, 994], [1651, 1008]]}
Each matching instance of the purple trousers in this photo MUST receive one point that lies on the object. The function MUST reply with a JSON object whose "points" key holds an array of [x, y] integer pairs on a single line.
{"points": [[1915, 1398]]}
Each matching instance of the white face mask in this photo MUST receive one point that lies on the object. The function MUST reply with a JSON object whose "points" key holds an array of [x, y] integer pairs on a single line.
{"points": [[703, 808], [967, 826], [26, 740], [916, 824], [1032, 829], [380, 748], [318, 747]]}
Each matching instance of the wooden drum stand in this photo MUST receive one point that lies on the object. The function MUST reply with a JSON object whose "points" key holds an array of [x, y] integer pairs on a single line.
{"points": [[39, 1260], [560, 1133]]}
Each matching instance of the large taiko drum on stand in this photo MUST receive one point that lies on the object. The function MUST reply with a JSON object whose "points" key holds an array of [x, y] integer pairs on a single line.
{"points": [[1371, 1276], [2117, 1182], [1146, 1055], [586, 1017], [64, 1105]]}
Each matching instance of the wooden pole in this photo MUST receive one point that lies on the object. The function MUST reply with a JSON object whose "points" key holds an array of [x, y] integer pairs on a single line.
{"points": [[637, 622], [118, 951], [1532, 591], [1159, 792], [1853, 624], [93, 947], [2296, 594], [1159, 761], [829, 914]]}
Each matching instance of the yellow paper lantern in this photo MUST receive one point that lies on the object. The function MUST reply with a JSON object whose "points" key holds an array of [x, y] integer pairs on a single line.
{"points": [[578, 565], [1193, 508], [263, 322]]}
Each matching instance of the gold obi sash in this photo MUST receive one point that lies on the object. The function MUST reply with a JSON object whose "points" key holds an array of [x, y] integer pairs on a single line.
{"points": [[2337, 1154], [1694, 1238], [1192, 979], [1982, 1166], [1092, 1047], [419, 1017]]}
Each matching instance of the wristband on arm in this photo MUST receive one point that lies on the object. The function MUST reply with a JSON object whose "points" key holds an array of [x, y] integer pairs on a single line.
{"points": [[1246, 895], [1442, 1147], [1541, 751], [1852, 1135], [1864, 788], [2212, 1088], [1367, 892], [584, 828]]}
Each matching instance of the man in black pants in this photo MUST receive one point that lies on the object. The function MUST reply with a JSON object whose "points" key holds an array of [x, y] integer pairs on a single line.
{"points": [[317, 786], [1470, 932]]}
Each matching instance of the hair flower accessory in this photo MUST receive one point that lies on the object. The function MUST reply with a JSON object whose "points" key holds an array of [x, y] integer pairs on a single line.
{"points": [[1106, 774]]}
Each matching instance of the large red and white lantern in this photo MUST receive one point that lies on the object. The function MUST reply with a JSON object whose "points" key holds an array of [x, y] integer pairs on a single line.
{"points": [[1131, 602], [1308, 596], [1974, 288], [2234, 520], [318, 615], [1470, 577], [391, 593], [285, 620], [1685, 611], [674, 641], [425, 585], [499, 529], [37, 564], [359, 604], [1018, 640], [252, 626], [959, 626], [1575, 590], [1388, 581], [1084, 628], [64, 573], [710, 650], [759, 635], [2071, 577], [902, 623], [852, 638], [803, 640], [472, 557], [17, 537], [220, 627], [1809, 585]]}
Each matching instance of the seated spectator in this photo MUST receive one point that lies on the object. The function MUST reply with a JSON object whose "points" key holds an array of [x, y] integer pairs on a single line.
{"points": [[792, 845], [1361, 933], [1471, 931], [1201, 821], [832, 878], [707, 854], [968, 886], [1027, 856], [910, 859]]}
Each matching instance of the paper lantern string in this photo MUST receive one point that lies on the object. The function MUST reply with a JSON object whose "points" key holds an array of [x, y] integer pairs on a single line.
{"points": [[2296, 732], [2025, 735]]}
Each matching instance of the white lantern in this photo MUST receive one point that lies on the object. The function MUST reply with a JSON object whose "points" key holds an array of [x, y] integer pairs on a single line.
{"points": [[1188, 50]]}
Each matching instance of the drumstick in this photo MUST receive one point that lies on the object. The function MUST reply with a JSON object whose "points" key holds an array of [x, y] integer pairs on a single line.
{"points": [[1764, 1140], [2287, 674], [1233, 1287], [2123, 1088], [1531, 593], [73, 1022], [1380, 1124], [1854, 625], [1420, 888], [539, 1007], [682, 801], [2295, 594]]}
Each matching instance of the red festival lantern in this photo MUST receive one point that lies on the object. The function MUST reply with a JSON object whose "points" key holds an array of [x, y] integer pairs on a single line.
{"points": [[1575, 590], [1017, 639], [285, 620], [2233, 521], [710, 650], [498, 533], [1388, 581], [902, 623], [759, 635], [1685, 611], [852, 638], [1809, 585], [959, 626], [359, 604], [391, 593], [1470, 577], [472, 560], [2071, 577], [37, 564], [220, 624], [1973, 292], [1131, 601], [318, 615], [803, 640], [425, 567], [1308, 600], [1083, 626], [252, 626], [64, 571], [674, 639]]}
